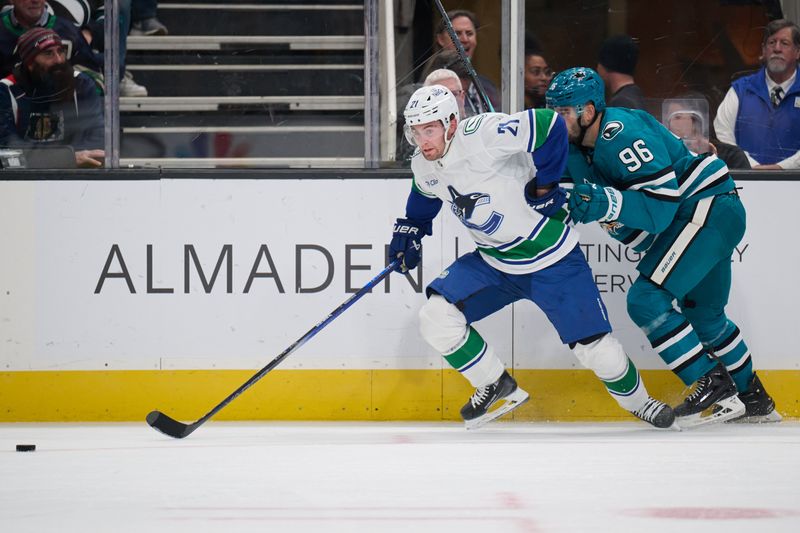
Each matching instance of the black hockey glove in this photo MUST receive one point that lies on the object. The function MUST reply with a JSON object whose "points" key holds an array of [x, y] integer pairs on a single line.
{"points": [[407, 242]]}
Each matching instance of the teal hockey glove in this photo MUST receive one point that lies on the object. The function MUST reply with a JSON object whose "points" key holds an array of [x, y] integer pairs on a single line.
{"points": [[588, 203]]}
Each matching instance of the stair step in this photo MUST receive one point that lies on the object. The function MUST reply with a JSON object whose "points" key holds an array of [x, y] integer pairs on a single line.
{"points": [[326, 3], [244, 68], [268, 83], [232, 42], [247, 58], [264, 6], [216, 103], [282, 130], [212, 162], [251, 117], [226, 142], [248, 80], [262, 19]]}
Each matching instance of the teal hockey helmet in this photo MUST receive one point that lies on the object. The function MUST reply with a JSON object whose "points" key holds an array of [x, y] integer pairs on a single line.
{"points": [[576, 87]]}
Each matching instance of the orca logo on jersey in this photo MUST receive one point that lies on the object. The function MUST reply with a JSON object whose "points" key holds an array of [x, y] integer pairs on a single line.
{"points": [[612, 129], [463, 206]]}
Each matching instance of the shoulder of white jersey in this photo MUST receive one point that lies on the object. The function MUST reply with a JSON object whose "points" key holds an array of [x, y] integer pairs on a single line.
{"points": [[487, 126], [423, 171], [476, 123], [531, 126]]}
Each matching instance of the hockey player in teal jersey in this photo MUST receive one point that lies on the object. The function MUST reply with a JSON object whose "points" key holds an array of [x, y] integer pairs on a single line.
{"points": [[682, 211], [482, 170]]}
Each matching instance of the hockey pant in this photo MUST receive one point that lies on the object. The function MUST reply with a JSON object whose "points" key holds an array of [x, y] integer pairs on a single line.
{"points": [[690, 263]]}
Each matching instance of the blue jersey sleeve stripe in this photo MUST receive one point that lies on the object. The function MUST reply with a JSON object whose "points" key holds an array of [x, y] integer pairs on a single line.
{"points": [[532, 128], [551, 157], [422, 208]]}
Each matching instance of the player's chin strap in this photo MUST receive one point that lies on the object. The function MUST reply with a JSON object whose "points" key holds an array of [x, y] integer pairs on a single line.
{"points": [[585, 128], [446, 140]]}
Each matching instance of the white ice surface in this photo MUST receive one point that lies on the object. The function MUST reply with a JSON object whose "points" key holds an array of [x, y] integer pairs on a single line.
{"points": [[382, 477]]}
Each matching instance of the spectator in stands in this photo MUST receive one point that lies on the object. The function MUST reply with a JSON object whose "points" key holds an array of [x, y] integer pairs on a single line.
{"points": [[452, 82], [88, 16], [687, 117], [450, 60], [616, 64], [46, 102], [761, 112], [145, 19], [465, 24], [537, 78], [26, 14]]}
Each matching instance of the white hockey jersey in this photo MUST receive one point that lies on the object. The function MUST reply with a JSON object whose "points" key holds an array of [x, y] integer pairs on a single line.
{"points": [[482, 177]]}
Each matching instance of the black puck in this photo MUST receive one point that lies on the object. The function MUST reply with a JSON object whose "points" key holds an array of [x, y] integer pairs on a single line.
{"points": [[26, 447]]}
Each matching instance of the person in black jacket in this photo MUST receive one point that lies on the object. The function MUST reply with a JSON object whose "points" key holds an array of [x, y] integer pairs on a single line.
{"points": [[45, 102], [616, 64], [27, 14]]}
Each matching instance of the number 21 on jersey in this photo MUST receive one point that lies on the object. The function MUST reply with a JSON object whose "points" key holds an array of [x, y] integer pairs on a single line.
{"points": [[633, 157]]}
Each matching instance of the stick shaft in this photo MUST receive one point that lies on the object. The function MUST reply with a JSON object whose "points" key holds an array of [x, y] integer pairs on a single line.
{"points": [[297, 344], [463, 55]]}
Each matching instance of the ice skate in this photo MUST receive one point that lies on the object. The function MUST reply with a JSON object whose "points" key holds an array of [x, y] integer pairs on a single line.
{"points": [[657, 414], [493, 401], [715, 389], [759, 405]]}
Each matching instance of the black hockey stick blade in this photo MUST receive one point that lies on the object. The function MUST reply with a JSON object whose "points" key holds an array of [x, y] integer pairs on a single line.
{"points": [[169, 426], [178, 430]]}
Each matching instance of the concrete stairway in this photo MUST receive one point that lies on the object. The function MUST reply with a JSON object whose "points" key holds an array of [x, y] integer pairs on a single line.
{"points": [[248, 83]]}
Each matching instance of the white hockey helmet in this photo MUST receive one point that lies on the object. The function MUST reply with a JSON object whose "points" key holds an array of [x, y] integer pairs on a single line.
{"points": [[428, 104]]}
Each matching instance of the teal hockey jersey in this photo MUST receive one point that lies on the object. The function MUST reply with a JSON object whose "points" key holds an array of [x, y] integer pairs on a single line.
{"points": [[652, 168]]}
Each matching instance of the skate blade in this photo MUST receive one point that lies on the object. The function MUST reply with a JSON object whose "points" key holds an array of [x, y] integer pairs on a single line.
{"points": [[769, 418], [509, 403], [729, 408]]}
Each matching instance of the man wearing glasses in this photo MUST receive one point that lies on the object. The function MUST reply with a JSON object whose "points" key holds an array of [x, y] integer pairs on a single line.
{"points": [[761, 112]]}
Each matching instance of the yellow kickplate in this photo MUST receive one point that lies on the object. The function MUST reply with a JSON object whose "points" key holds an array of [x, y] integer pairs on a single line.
{"points": [[414, 395]]}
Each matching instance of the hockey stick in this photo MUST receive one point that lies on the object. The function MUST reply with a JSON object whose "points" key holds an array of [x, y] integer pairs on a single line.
{"points": [[463, 55], [169, 426]]}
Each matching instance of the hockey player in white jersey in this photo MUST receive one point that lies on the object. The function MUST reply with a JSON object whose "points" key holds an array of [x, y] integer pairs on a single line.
{"points": [[499, 176]]}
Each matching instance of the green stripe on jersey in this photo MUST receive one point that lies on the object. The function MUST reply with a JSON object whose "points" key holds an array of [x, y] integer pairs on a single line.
{"points": [[468, 351], [417, 189], [543, 121], [626, 383], [549, 235]]}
